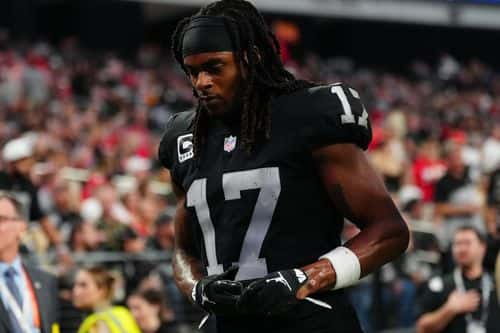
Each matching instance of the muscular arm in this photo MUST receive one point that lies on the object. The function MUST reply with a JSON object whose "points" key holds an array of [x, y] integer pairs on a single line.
{"points": [[358, 193], [187, 267]]}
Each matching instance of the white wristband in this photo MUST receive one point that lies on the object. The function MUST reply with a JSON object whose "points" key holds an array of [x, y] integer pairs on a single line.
{"points": [[346, 265]]}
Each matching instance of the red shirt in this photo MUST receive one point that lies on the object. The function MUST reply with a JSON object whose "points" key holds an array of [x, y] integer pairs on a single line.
{"points": [[426, 173]]}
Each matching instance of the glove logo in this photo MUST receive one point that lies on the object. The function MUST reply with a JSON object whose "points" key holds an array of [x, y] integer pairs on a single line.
{"points": [[301, 276], [281, 280], [185, 147]]}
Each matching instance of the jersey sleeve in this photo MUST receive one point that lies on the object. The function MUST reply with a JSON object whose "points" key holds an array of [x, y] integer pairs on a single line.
{"points": [[336, 115]]}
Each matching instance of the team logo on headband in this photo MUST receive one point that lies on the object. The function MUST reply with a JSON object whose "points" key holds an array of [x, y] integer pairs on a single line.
{"points": [[185, 147]]}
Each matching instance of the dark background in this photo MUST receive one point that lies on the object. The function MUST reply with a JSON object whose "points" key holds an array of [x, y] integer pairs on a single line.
{"points": [[121, 26]]}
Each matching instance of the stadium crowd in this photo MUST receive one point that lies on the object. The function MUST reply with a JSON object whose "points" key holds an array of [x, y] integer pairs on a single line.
{"points": [[79, 132]]}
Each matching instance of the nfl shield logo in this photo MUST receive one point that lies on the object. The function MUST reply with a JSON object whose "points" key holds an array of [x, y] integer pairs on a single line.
{"points": [[229, 143]]}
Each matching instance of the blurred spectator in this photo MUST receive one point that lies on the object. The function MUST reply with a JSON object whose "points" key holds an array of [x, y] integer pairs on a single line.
{"points": [[424, 253], [93, 292], [149, 211], [391, 158], [138, 267], [71, 317], [458, 201], [410, 200], [16, 178], [404, 277], [132, 202], [151, 312], [428, 168], [491, 150], [131, 241], [398, 295], [493, 199], [85, 237], [492, 218], [65, 212], [114, 217], [163, 238], [465, 300], [389, 164], [23, 287]]}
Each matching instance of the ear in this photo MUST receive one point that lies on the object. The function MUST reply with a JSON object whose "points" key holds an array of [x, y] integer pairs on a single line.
{"points": [[103, 293], [484, 247], [23, 227], [244, 63]]}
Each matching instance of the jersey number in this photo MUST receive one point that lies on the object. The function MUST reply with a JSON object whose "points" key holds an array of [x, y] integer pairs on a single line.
{"points": [[348, 116], [265, 179]]}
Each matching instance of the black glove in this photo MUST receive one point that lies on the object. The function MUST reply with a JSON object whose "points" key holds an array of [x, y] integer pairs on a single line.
{"points": [[272, 294], [218, 294]]}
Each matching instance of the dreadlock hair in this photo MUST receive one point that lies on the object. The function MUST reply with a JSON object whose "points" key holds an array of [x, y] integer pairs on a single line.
{"points": [[256, 49]]}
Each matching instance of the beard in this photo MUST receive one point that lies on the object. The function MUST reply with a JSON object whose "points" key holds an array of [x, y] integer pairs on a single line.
{"points": [[230, 113]]}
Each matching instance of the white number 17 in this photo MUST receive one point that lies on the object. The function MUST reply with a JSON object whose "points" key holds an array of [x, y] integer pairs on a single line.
{"points": [[265, 179], [348, 116]]}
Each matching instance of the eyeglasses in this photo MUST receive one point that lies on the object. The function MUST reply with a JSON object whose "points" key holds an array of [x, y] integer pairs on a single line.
{"points": [[4, 219]]}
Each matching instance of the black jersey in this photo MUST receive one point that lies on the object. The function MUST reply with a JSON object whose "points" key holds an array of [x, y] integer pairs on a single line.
{"points": [[267, 210]]}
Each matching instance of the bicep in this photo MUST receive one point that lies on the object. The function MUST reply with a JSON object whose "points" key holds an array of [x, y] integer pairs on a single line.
{"points": [[355, 188], [360, 195]]}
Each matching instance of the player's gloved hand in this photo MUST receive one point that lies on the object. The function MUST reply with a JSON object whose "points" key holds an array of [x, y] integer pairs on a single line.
{"points": [[272, 294], [218, 294]]}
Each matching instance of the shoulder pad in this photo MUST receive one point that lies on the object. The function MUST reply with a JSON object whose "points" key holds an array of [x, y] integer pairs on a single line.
{"points": [[176, 143], [337, 115]]}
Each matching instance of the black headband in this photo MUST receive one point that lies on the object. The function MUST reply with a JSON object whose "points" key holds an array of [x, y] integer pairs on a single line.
{"points": [[206, 34]]}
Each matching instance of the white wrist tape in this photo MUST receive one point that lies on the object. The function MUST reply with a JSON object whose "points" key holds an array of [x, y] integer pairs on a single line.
{"points": [[346, 265]]}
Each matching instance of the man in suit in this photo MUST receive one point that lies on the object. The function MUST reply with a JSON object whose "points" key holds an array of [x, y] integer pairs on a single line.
{"points": [[28, 295]]}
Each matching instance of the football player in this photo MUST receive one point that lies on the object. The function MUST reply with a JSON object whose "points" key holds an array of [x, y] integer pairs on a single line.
{"points": [[265, 170]]}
